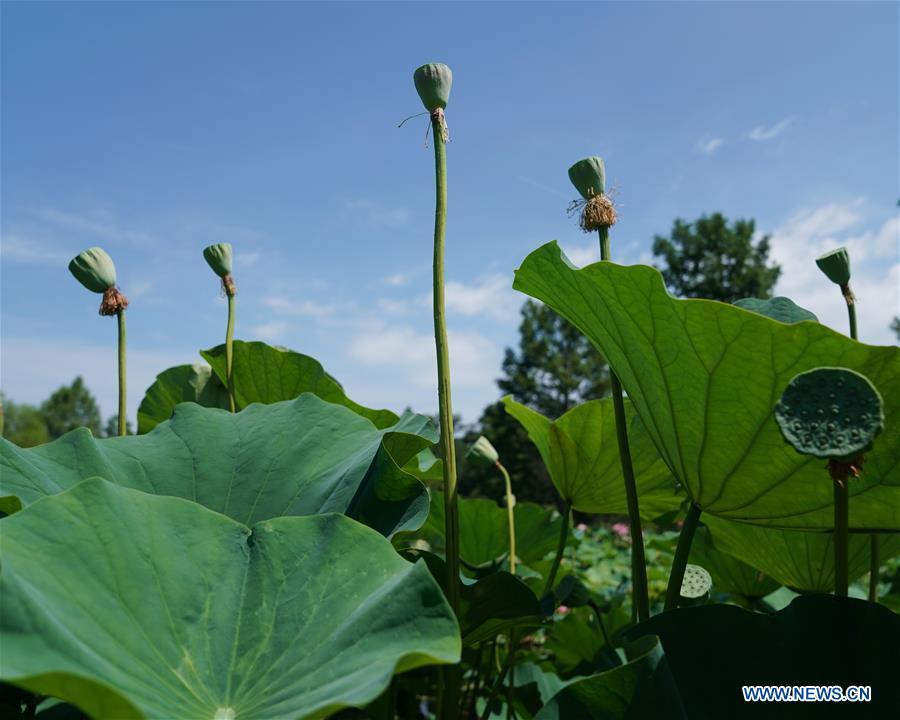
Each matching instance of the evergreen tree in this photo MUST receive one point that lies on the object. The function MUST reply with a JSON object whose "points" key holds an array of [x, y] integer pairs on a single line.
{"points": [[710, 259]]}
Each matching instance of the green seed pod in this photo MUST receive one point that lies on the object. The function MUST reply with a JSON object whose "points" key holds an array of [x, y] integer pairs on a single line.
{"points": [[695, 586], [94, 269], [482, 452], [433, 83], [219, 258], [781, 309], [589, 177], [836, 265], [572, 592], [830, 413]]}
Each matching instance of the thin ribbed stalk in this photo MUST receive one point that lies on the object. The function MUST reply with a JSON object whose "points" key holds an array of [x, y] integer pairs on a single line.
{"points": [[560, 549], [874, 564], [510, 516], [450, 699], [680, 561], [123, 411], [841, 535], [640, 594], [229, 352]]}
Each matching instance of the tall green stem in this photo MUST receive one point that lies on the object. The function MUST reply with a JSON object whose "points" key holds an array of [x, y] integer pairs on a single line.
{"points": [[560, 549], [680, 561], [641, 597], [229, 351], [450, 698], [123, 411], [841, 534], [510, 516]]}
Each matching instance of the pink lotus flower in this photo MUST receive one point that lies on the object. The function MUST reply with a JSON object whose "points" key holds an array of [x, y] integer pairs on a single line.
{"points": [[563, 609], [581, 527], [621, 529]]}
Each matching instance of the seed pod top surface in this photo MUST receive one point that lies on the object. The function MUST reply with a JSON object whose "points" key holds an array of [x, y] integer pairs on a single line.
{"points": [[94, 269], [778, 308], [219, 258], [836, 265], [589, 177], [696, 583], [482, 452], [433, 83], [830, 413]]}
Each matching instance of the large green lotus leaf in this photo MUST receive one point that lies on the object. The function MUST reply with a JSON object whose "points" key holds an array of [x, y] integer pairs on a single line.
{"points": [[262, 373], [581, 453], [728, 573], [267, 374], [298, 457], [640, 688], [129, 604], [803, 561], [714, 650], [182, 383], [704, 378], [484, 530]]}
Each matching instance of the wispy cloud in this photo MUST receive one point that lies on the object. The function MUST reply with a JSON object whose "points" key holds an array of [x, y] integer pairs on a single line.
{"points": [[378, 216], [488, 296], [396, 280], [246, 259], [270, 331], [546, 188], [298, 308], [101, 228], [18, 248], [761, 132], [709, 145]]}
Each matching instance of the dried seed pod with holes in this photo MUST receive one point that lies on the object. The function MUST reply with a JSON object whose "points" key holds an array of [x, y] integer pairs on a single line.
{"points": [[695, 585]]}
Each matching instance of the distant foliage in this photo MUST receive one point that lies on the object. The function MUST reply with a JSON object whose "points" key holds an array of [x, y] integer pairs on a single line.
{"points": [[70, 407], [711, 259]]}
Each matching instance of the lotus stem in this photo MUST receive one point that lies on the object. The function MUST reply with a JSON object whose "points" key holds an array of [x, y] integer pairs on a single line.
{"points": [[841, 535], [874, 564], [680, 561], [229, 351], [123, 411], [641, 597], [560, 549], [510, 514]]}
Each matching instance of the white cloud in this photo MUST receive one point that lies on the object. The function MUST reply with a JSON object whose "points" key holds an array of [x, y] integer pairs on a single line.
{"points": [[474, 359], [489, 296], [875, 260], [390, 306], [246, 259], [378, 216], [270, 331], [18, 248], [99, 227], [298, 308], [709, 146], [396, 280], [761, 132], [582, 255]]}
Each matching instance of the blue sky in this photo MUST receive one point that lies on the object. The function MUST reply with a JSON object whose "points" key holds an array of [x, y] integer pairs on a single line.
{"points": [[155, 129]]}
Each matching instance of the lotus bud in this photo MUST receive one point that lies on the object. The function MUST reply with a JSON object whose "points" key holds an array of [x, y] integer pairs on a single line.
{"points": [[589, 177], [95, 270], [218, 257], [483, 453], [836, 266], [433, 83]]}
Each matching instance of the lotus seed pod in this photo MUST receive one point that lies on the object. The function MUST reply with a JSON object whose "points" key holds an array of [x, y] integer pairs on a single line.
{"points": [[482, 452], [572, 592], [781, 309], [830, 413], [94, 269], [589, 177], [696, 583], [218, 257], [433, 83], [836, 265]]}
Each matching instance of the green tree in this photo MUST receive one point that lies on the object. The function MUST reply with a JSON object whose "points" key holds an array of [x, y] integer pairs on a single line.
{"points": [[895, 326], [70, 407], [111, 429], [23, 424], [711, 259], [554, 369]]}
